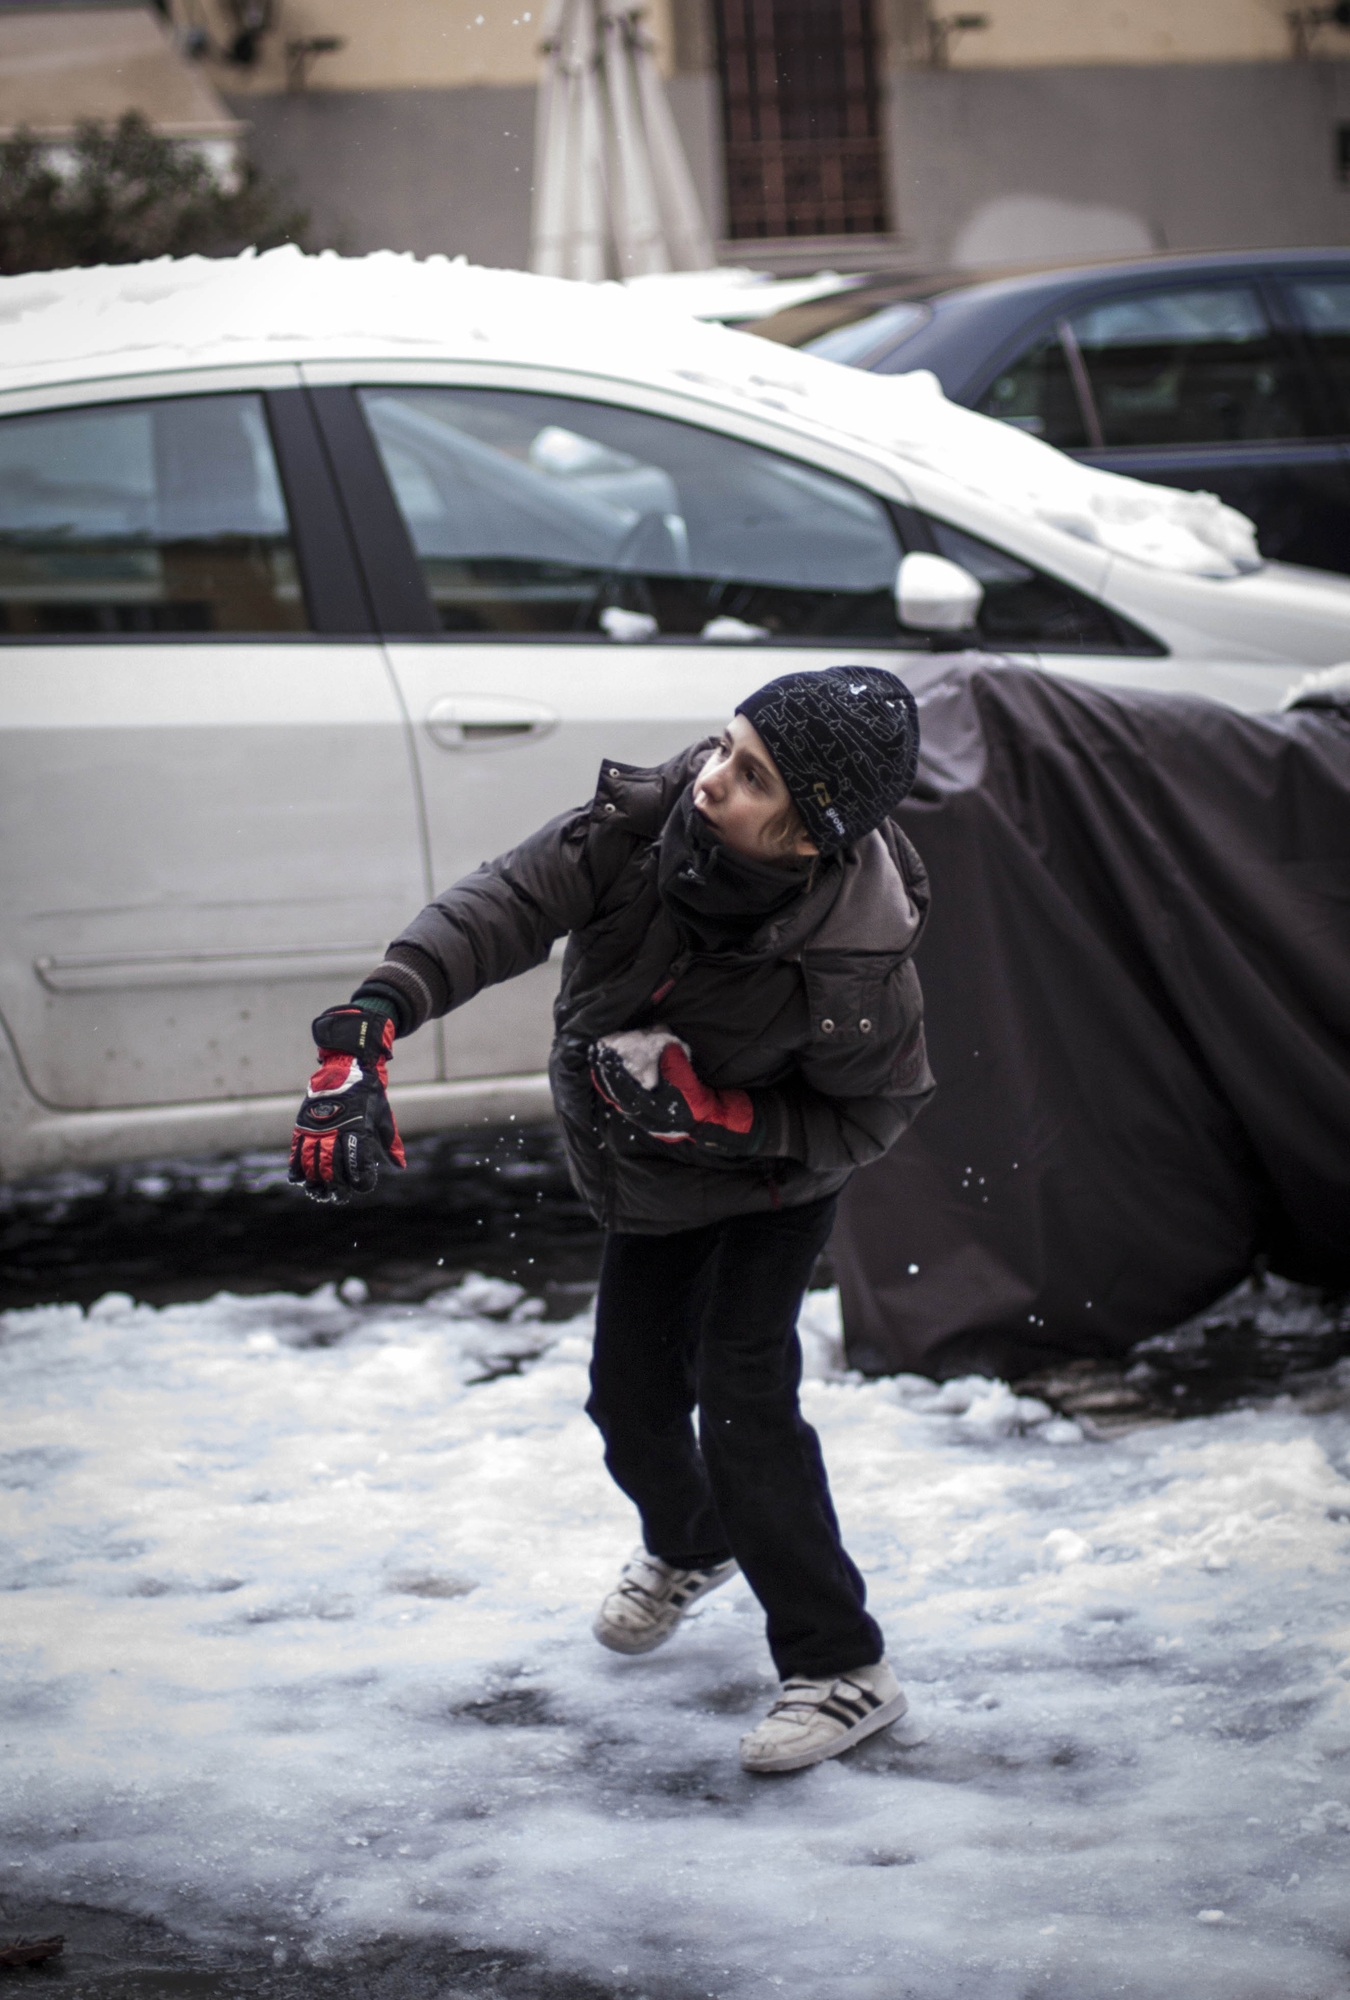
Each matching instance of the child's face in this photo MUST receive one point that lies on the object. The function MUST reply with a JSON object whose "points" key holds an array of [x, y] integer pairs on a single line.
{"points": [[740, 794]]}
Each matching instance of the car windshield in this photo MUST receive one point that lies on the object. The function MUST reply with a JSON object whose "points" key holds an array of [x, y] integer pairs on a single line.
{"points": [[855, 344]]}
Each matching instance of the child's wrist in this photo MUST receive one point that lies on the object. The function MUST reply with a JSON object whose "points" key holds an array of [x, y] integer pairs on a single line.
{"points": [[383, 1003]]}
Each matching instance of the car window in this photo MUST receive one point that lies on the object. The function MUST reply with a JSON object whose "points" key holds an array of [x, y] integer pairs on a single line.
{"points": [[547, 514], [1036, 393], [1024, 609], [162, 516], [863, 339], [1194, 366], [1322, 307]]}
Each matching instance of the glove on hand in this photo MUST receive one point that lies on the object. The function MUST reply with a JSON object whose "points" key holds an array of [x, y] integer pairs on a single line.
{"points": [[649, 1079], [346, 1129]]}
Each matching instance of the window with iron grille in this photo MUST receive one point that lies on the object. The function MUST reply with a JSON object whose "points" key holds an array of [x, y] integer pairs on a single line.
{"points": [[800, 119]]}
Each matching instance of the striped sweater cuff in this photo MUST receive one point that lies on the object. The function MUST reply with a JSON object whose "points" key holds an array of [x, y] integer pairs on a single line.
{"points": [[413, 981]]}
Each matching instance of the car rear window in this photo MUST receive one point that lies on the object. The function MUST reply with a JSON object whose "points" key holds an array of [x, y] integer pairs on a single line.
{"points": [[547, 514], [1037, 392], [1199, 365], [1322, 308], [163, 516]]}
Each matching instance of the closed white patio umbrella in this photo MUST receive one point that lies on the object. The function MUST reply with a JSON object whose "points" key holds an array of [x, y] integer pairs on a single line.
{"points": [[613, 196]]}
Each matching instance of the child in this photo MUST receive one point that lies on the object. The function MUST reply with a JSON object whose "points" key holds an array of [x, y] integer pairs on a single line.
{"points": [[739, 1026]]}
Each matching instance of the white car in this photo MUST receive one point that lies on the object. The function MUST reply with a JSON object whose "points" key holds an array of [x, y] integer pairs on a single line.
{"points": [[322, 580]]}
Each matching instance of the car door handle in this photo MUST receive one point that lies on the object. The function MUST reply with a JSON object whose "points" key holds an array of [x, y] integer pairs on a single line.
{"points": [[486, 721]]}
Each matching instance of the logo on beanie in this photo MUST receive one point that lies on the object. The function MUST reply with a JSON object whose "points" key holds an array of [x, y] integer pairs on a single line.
{"points": [[837, 822], [822, 793]]}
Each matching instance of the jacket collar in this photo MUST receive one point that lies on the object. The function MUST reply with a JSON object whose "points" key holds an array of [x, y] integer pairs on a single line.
{"points": [[876, 902], [873, 897]]}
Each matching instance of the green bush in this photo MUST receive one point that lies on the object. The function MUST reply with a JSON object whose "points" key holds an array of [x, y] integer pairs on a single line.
{"points": [[129, 194]]}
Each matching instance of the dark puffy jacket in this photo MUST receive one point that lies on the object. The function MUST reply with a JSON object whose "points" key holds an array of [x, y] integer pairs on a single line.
{"points": [[822, 1006]]}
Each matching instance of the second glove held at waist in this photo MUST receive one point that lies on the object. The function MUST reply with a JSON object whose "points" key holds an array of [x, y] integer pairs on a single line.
{"points": [[647, 1075]]}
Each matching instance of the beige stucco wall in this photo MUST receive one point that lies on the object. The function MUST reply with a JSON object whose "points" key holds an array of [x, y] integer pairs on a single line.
{"points": [[1029, 33], [73, 63], [407, 44]]}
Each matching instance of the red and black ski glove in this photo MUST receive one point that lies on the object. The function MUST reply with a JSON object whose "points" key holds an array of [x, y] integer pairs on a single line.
{"points": [[345, 1130], [650, 1080]]}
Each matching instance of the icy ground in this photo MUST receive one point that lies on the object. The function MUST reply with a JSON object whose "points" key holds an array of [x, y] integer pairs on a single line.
{"points": [[298, 1656]]}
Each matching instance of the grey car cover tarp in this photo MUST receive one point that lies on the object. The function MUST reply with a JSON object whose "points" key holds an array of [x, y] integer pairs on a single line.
{"points": [[1137, 987]]}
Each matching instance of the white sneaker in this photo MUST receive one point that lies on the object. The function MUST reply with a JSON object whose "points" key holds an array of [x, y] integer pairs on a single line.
{"points": [[812, 1720], [650, 1599]]}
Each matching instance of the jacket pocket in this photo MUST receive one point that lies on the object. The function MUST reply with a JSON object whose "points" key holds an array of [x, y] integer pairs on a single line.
{"points": [[847, 1002]]}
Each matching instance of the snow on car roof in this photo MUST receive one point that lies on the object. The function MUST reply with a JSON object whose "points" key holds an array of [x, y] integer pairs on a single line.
{"points": [[63, 326]]}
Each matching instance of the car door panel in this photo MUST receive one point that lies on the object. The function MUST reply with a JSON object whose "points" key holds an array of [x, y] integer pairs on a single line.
{"points": [[636, 703], [192, 864], [204, 880]]}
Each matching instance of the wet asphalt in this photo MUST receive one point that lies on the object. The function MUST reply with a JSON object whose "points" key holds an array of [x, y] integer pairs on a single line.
{"points": [[170, 1230]]}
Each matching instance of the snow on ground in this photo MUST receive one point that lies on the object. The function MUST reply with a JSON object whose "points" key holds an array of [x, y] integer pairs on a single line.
{"points": [[59, 326], [298, 1651]]}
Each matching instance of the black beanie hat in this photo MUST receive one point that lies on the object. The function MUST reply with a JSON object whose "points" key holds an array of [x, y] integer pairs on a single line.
{"points": [[846, 743]]}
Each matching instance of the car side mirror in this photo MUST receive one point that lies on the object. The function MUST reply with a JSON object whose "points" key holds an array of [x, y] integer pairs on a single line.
{"points": [[935, 595]]}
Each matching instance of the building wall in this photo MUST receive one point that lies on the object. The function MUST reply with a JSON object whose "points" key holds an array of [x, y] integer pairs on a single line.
{"points": [[993, 166], [420, 170], [1028, 34], [399, 44], [1064, 130], [435, 170], [427, 45], [695, 102], [65, 64]]}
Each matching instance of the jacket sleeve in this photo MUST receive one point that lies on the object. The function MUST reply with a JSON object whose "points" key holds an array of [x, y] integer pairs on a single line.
{"points": [[498, 922], [505, 917], [850, 1099]]}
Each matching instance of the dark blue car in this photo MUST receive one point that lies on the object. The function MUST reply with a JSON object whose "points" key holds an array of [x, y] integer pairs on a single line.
{"points": [[1229, 373]]}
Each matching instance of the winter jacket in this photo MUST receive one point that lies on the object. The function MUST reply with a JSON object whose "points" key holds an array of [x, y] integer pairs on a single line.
{"points": [[822, 1007]]}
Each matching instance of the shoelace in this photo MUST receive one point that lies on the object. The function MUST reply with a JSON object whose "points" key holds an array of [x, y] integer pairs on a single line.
{"points": [[677, 1585], [633, 1586], [630, 1587]]}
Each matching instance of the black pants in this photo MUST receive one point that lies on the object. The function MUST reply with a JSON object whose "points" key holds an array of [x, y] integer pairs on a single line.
{"points": [[708, 1317]]}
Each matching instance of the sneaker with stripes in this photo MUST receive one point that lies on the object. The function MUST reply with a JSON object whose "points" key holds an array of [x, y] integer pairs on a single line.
{"points": [[812, 1720], [650, 1599]]}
